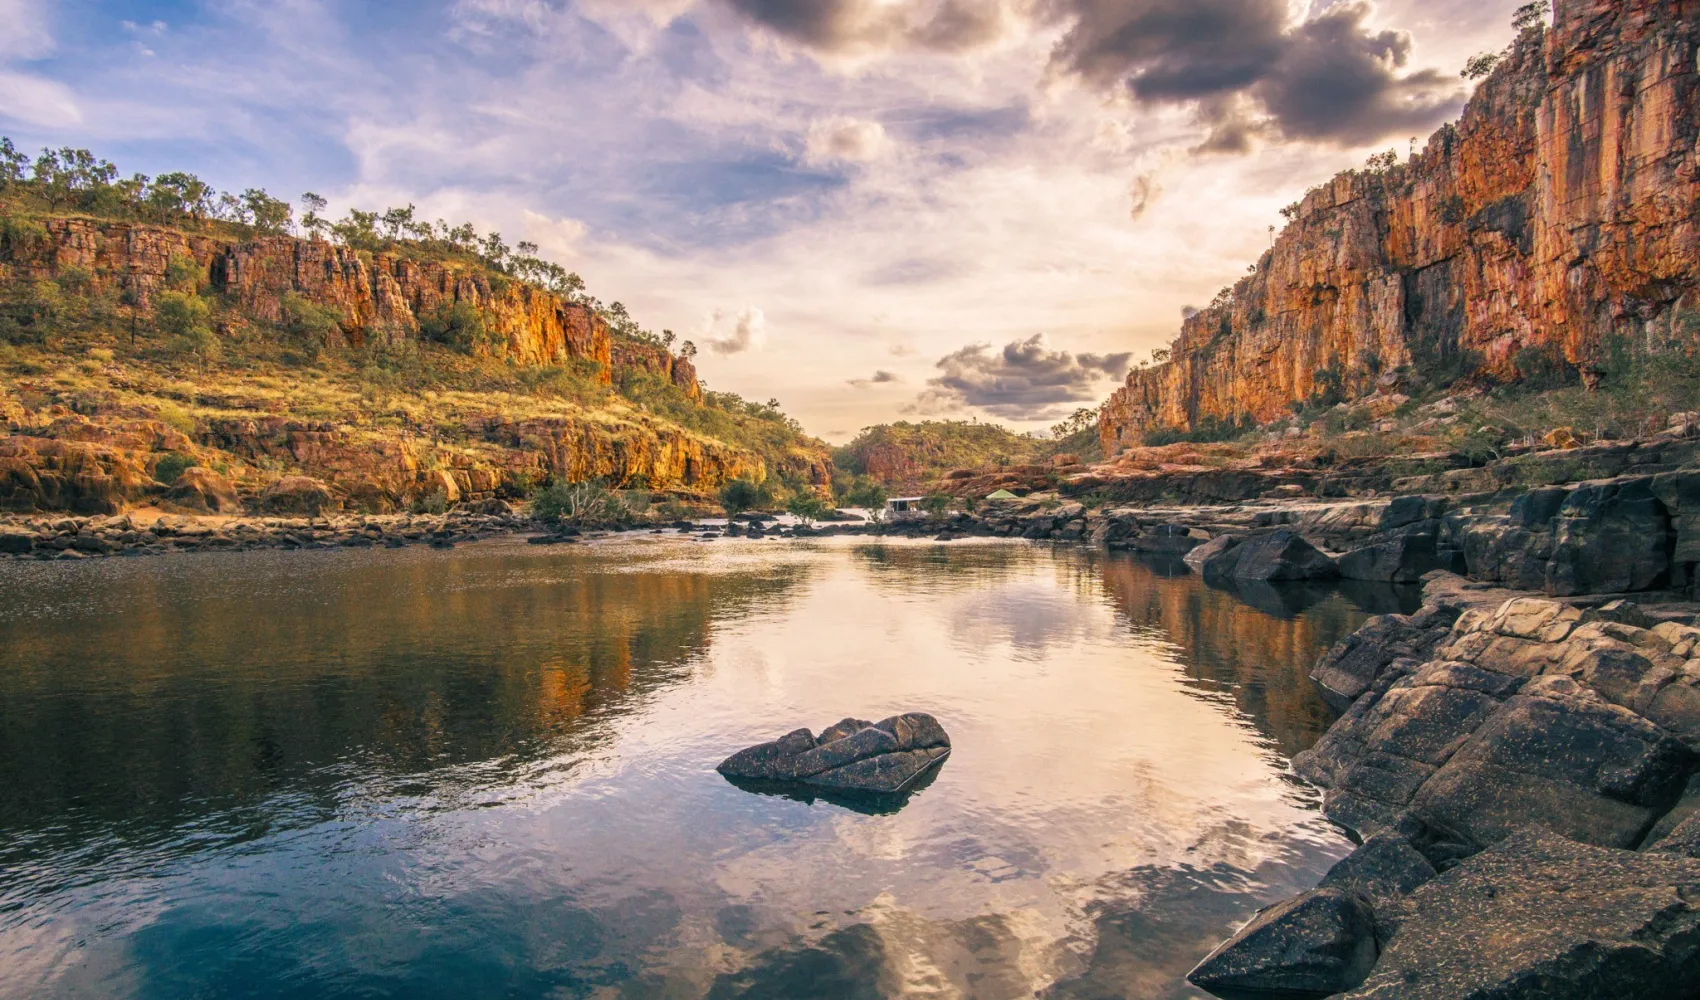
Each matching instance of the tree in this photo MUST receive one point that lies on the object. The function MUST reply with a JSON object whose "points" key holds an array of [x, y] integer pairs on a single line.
{"points": [[267, 214], [12, 163], [315, 224], [866, 494], [1479, 66], [740, 495], [183, 317], [937, 505], [805, 506], [176, 194], [1530, 15]]}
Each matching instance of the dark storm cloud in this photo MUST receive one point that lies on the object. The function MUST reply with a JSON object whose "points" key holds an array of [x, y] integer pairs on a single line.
{"points": [[1250, 71], [1026, 380], [880, 377], [847, 25]]}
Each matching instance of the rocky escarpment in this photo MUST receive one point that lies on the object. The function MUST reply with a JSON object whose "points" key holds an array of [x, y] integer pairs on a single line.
{"points": [[1562, 210]]}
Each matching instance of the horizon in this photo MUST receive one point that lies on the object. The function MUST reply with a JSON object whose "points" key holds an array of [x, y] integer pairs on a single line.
{"points": [[732, 170]]}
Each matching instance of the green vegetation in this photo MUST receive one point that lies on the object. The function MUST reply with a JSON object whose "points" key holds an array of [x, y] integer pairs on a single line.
{"points": [[587, 503], [1208, 431], [806, 507], [741, 495]]}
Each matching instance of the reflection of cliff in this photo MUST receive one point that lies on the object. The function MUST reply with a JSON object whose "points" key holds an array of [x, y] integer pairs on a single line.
{"points": [[218, 682], [1256, 648]]}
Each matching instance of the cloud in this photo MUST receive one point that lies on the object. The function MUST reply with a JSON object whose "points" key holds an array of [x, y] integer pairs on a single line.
{"points": [[26, 34], [748, 331], [1251, 70], [881, 377], [1026, 380], [850, 140], [853, 26]]}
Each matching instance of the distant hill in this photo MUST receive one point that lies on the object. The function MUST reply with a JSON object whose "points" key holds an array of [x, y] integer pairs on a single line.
{"points": [[909, 456]]}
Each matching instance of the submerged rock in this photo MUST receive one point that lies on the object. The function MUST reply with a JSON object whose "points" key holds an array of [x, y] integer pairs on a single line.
{"points": [[852, 756]]}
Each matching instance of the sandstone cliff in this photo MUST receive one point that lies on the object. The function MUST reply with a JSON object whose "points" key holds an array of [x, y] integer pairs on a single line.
{"points": [[1562, 210], [91, 416], [379, 297]]}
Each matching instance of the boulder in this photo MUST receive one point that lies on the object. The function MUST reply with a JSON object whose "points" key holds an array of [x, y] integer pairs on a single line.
{"points": [[1317, 944], [1197, 557], [1396, 736], [16, 543], [1166, 539], [1684, 840], [1383, 871], [1349, 669], [299, 496], [1611, 538], [1559, 757], [202, 489], [1279, 555], [850, 756], [1406, 557], [1538, 917]]}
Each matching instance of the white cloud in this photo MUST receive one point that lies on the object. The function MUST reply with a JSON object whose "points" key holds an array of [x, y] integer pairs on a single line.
{"points": [[727, 333], [24, 30], [846, 139]]}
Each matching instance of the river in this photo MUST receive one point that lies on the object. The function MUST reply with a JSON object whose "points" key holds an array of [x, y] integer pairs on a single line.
{"points": [[489, 772]]}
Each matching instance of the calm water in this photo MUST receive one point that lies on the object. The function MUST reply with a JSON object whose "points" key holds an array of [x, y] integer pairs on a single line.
{"points": [[489, 772]]}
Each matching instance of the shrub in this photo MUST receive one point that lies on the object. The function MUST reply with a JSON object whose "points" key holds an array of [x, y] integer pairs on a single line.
{"points": [[170, 467], [435, 502], [308, 322], [460, 326], [866, 493], [177, 314], [740, 495], [589, 502], [805, 506], [937, 505], [182, 273]]}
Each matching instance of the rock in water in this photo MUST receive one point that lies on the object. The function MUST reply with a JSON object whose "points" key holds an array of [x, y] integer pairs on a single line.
{"points": [[851, 756], [1315, 945]]}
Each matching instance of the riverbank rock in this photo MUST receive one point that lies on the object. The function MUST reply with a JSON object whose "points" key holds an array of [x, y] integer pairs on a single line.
{"points": [[301, 496], [851, 756], [1317, 944], [1280, 555], [201, 489], [1538, 917]]}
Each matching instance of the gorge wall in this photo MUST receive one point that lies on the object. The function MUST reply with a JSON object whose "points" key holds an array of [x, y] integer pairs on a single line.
{"points": [[378, 297], [1561, 210]]}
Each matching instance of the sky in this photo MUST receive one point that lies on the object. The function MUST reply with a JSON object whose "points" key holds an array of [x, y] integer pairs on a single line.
{"points": [[867, 209]]}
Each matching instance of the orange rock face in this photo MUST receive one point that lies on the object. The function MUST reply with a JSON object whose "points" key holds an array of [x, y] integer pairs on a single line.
{"points": [[379, 297], [1562, 210]]}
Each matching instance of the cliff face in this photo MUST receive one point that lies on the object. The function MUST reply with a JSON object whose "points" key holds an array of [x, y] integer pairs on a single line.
{"points": [[379, 297], [1562, 210]]}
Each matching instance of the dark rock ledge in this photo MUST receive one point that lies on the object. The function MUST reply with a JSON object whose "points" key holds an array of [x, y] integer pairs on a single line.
{"points": [[1524, 774]]}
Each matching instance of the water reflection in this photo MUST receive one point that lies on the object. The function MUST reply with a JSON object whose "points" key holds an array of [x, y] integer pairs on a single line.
{"points": [[490, 772]]}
